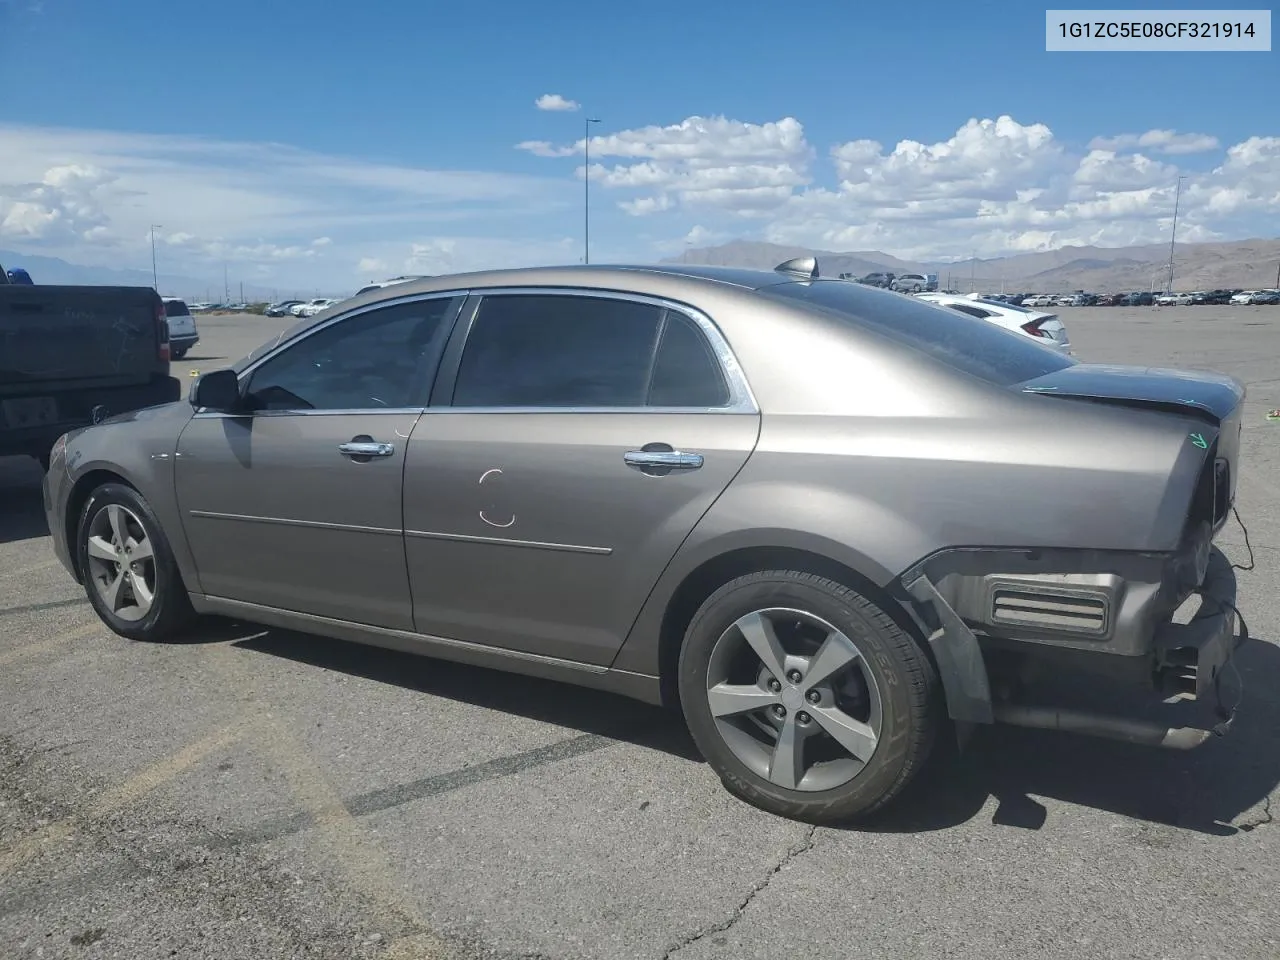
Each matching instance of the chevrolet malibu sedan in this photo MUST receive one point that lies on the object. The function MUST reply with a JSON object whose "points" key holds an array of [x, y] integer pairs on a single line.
{"points": [[828, 523]]}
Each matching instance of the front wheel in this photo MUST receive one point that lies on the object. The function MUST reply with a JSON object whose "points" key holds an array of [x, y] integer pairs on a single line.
{"points": [[805, 697], [127, 566]]}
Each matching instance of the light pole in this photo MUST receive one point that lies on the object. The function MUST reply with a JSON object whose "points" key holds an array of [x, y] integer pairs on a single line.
{"points": [[154, 279], [1174, 236], [586, 188]]}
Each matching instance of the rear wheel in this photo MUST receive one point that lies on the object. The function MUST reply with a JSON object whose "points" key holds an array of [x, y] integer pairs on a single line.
{"points": [[128, 569], [177, 353], [805, 697]]}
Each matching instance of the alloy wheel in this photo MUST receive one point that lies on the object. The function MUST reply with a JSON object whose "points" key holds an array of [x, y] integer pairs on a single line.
{"points": [[794, 699], [122, 565]]}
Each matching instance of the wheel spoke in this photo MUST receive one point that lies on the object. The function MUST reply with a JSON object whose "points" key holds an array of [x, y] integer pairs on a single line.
{"points": [[140, 550], [786, 766], [758, 630], [730, 699], [119, 529], [854, 735], [100, 549], [111, 593], [141, 592], [836, 653]]}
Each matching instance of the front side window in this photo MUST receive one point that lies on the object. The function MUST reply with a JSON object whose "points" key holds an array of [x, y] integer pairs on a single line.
{"points": [[548, 350], [378, 360]]}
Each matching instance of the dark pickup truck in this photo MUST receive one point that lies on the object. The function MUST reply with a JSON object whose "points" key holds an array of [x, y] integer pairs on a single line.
{"points": [[71, 356]]}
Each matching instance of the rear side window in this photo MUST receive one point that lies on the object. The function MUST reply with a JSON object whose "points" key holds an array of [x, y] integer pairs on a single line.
{"points": [[976, 347], [685, 371], [547, 350], [176, 308]]}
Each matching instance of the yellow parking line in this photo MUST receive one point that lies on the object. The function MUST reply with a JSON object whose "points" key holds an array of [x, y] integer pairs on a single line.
{"points": [[120, 796], [351, 848], [51, 643]]}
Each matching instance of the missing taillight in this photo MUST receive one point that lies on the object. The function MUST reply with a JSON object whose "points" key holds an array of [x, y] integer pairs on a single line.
{"points": [[1033, 327]]}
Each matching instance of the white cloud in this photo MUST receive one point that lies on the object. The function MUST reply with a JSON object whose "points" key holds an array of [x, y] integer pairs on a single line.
{"points": [[371, 265], [1159, 141], [90, 197], [699, 162], [553, 101]]}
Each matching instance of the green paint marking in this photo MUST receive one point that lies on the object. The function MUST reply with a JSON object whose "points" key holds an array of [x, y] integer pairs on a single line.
{"points": [[1199, 441]]}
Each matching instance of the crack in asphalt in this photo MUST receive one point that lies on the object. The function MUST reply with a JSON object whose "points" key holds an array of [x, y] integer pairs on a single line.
{"points": [[805, 845], [1265, 819]]}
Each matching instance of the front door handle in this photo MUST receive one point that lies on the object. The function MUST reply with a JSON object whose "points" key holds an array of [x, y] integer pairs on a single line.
{"points": [[364, 448], [663, 458]]}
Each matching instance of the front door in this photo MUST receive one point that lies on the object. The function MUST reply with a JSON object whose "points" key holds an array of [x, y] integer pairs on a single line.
{"points": [[296, 504], [586, 437]]}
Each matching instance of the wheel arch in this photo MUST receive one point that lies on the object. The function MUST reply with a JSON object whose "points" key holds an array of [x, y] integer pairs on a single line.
{"points": [[81, 490], [672, 605]]}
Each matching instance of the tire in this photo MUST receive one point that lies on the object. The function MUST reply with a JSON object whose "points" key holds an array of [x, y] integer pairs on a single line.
{"points": [[890, 669], [170, 612], [177, 353]]}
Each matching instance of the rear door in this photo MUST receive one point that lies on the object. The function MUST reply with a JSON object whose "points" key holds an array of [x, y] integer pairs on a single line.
{"points": [[297, 505], [582, 438]]}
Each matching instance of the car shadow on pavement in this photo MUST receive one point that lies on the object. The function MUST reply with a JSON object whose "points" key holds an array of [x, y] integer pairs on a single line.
{"points": [[1205, 790], [547, 701], [21, 503]]}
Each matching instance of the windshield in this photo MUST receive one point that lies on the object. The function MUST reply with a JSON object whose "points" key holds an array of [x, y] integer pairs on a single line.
{"points": [[977, 347]]}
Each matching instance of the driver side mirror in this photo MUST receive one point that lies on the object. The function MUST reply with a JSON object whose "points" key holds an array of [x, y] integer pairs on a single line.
{"points": [[217, 390]]}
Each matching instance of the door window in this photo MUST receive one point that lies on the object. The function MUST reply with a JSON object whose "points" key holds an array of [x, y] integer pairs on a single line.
{"points": [[379, 360], [547, 350], [685, 372]]}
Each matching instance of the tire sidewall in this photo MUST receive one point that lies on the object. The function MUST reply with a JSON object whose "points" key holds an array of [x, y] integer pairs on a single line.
{"points": [[881, 774], [170, 589]]}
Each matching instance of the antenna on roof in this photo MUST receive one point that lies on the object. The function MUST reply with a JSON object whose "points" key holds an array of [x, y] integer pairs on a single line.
{"points": [[806, 267]]}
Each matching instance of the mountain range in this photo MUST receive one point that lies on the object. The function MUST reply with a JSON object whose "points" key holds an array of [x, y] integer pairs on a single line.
{"points": [[1197, 266]]}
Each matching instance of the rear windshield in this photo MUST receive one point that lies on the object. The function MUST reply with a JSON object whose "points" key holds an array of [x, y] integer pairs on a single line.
{"points": [[977, 347], [175, 308]]}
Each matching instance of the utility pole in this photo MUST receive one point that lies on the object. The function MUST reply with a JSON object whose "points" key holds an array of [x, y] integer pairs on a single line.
{"points": [[226, 288], [973, 272], [586, 188], [1278, 276], [242, 291], [1174, 236], [155, 282]]}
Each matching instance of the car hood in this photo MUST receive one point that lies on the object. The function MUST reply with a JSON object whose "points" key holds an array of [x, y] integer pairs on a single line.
{"points": [[1197, 392]]}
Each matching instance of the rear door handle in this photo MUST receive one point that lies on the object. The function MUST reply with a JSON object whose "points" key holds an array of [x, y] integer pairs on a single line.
{"points": [[672, 459], [362, 448]]}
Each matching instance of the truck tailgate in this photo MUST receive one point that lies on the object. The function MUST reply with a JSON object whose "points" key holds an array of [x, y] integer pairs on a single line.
{"points": [[113, 334]]}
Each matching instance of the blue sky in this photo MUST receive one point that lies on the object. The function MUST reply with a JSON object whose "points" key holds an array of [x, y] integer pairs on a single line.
{"points": [[302, 145]]}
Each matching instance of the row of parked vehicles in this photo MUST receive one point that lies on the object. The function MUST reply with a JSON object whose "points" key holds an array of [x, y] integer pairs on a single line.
{"points": [[1235, 297]]}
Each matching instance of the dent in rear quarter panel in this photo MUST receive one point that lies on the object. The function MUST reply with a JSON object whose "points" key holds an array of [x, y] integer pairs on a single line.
{"points": [[140, 448]]}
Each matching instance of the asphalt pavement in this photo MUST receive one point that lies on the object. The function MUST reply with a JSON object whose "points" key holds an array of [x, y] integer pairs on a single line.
{"points": [[260, 794]]}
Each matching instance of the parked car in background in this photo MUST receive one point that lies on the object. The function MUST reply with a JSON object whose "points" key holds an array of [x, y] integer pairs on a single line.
{"points": [[1243, 297], [1174, 300], [183, 334], [1268, 297], [315, 306], [913, 283], [877, 279], [1045, 328], [18, 276], [282, 308], [1039, 300], [71, 355], [297, 308]]}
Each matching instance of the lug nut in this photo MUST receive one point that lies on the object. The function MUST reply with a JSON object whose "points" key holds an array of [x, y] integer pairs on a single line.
{"points": [[802, 718], [774, 685], [794, 676], [813, 696], [779, 711]]}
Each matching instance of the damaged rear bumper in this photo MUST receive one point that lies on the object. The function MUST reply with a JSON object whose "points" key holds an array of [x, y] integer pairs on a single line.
{"points": [[956, 605]]}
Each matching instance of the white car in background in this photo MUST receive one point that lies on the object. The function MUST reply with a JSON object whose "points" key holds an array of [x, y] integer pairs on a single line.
{"points": [[315, 306], [1042, 327], [1041, 300], [1243, 297], [1175, 300]]}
